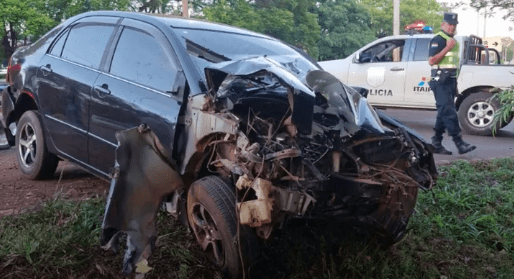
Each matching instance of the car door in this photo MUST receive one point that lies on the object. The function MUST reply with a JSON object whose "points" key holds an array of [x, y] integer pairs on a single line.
{"points": [[381, 68], [417, 82], [65, 80], [142, 83]]}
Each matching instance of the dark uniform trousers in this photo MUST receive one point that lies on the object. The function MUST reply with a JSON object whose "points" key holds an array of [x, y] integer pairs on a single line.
{"points": [[445, 88]]}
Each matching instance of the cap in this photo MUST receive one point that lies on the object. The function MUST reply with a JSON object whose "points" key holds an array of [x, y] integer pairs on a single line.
{"points": [[451, 18], [428, 30]]}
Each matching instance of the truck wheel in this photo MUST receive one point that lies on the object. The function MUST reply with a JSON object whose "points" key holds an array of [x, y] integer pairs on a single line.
{"points": [[213, 219], [33, 158], [476, 114]]}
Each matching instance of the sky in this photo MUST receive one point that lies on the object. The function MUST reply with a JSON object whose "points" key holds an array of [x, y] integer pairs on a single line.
{"points": [[471, 22]]}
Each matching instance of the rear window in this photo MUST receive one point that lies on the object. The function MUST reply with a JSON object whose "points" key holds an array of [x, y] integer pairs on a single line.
{"points": [[86, 44], [421, 52], [57, 48]]}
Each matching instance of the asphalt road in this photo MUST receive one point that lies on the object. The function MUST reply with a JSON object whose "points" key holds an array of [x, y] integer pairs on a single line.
{"points": [[501, 145]]}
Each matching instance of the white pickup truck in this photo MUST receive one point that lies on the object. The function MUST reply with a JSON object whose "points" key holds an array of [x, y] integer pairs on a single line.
{"points": [[396, 73]]}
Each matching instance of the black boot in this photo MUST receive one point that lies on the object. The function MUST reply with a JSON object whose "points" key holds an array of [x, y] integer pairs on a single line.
{"points": [[463, 146], [438, 146]]}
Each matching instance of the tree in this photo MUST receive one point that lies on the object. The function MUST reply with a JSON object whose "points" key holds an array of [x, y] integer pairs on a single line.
{"points": [[28, 19], [410, 10], [345, 27], [75, 7], [288, 20], [21, 19], [505, 5]]}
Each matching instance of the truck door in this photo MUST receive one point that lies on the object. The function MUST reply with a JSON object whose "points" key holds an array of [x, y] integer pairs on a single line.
{"points": [[417, 88], [381, 68]]}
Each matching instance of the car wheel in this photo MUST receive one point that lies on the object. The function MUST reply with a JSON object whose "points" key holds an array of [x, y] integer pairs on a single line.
{"points": [[213, 219], [476, 114], [31, 152]]}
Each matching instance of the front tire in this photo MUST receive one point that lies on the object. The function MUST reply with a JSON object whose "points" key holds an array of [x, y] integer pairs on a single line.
{"points": [[476, 114], [32, 154], [213, 219]]}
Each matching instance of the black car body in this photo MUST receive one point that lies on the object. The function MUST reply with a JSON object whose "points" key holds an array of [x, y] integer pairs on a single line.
{"points": [[240, 127]]}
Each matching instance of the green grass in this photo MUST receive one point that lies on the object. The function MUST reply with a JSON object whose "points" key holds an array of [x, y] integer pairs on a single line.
{"points": [[463, 228]]}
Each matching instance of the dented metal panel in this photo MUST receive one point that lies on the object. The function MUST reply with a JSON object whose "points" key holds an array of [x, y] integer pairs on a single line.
{"points": [[144, 175]]}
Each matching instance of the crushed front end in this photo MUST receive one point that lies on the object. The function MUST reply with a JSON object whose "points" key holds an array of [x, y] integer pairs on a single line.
{"points": [[286, 149], [320, 152]]}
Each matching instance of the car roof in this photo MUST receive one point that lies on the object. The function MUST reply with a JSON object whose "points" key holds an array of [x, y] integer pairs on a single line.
{"points": [[178, 22]]}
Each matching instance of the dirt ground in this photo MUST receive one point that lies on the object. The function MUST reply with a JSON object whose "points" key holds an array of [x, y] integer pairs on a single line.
{"points": [[18, 193]]}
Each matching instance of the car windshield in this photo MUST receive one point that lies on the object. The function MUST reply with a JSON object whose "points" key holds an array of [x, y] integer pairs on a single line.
{"points": [[208, 47]]}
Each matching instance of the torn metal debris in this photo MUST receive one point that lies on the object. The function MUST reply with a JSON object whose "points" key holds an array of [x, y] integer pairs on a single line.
{"points": [[144, 175]]}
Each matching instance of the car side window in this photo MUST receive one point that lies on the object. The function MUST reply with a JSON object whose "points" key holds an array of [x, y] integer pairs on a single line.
{"points": [[86, 44], [57, 48], [139, 57], [421, 52], [390, 51]]}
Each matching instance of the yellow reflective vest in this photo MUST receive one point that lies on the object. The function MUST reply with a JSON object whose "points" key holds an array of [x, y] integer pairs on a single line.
{"points": [[451, 59]]}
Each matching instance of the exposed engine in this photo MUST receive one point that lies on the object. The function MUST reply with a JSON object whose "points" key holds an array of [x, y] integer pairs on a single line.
{"points": [[363, 173]]}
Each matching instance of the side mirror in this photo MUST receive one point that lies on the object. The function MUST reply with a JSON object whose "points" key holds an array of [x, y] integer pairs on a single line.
{"points": [[365, 57], [356, 58]]}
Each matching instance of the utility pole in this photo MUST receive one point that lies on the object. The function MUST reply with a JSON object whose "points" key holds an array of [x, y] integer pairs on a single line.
{"points": [[396, 17], [478, 22], [485, 17], [185, 11]]}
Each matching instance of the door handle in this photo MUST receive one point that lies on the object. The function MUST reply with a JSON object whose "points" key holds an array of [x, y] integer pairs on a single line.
{"points": [[104, 89], [397, 69], [46, 69]]}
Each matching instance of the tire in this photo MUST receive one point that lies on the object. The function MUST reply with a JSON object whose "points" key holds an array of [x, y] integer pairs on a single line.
{"points": [[212, 215], [476, 114], [32, 154]]}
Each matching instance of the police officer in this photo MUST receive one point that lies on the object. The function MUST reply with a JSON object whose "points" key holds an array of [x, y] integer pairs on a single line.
{"points": [[444, 59]]}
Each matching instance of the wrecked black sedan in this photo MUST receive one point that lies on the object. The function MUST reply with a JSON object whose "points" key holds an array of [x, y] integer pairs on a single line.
{"points": [[232, 131]]}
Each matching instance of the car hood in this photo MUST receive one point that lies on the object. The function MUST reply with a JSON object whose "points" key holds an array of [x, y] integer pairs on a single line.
{"points": [[318, 96]]}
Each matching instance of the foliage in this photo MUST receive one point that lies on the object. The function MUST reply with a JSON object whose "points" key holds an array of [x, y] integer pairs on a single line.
{"points": [[24, 17], [155, 6], [345, 27], [410, 10], [61, 240], [287, 20], [506, 99], [463, 228], [32, 18], [505, 5], [75, 7]]}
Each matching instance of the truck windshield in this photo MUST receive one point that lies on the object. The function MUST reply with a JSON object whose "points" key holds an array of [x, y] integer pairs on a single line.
{"points": [[207, 47]]}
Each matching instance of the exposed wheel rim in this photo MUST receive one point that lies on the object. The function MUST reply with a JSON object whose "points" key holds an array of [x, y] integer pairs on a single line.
{"points": [[27, 147], [207, 234], [481, 114]]}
